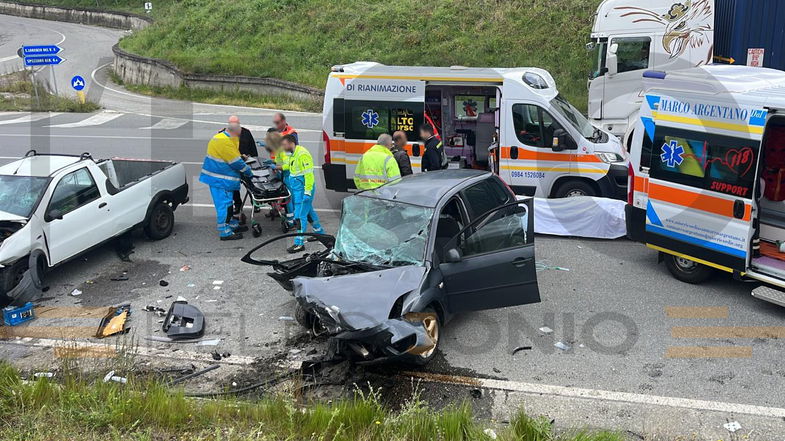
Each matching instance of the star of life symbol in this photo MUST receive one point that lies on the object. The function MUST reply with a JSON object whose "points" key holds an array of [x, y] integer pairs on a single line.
{"points": [[370, 118], [672, 153]]}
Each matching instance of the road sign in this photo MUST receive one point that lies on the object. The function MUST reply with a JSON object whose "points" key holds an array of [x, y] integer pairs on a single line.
{"points": [[755, 56], [148, 6], [50, 49], [77, 83], [43, 61]]}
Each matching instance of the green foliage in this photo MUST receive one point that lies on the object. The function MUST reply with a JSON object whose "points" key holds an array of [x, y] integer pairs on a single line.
{"points": [[17, 94]]}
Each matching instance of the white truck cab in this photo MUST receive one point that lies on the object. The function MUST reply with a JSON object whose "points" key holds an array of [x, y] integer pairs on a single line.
{"points": [[707, 174], [631, 36], [512, 120]]}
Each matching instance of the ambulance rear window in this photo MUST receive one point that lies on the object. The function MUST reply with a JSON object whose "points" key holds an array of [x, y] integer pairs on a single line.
{"points": [[712, 162]]}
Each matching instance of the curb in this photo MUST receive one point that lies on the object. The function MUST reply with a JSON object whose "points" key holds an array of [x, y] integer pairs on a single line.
{"points": [[87, 16]]}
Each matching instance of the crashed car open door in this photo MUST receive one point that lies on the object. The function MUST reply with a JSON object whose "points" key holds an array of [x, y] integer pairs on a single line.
{"points": [[490, 263]]}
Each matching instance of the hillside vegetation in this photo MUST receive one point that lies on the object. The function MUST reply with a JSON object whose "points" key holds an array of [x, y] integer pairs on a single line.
{"points": [[298, 40]]}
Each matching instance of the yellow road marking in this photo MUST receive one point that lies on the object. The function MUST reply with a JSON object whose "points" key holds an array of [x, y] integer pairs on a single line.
{"points": [[704, 312]]}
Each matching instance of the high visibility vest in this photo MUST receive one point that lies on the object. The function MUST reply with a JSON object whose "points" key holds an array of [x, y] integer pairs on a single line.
{"points": [[376, 168], [301, 170], [223, 164]]}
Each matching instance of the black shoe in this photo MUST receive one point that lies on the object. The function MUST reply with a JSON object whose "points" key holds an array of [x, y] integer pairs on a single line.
{"points": [[312, 239], [240, 228], [295, 249], [234, 236]]}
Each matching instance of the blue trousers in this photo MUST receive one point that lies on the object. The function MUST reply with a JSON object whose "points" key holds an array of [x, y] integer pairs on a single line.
{"points": [[289, 205], [222, 201], [303, 212]]}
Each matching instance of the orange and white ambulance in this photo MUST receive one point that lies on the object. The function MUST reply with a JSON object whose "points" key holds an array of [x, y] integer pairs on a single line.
{"points": [[512, 120], [707, 174]]}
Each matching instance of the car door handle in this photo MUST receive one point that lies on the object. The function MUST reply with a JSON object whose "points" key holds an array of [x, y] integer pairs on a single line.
{"points": [[521, 261], [102, 205]]}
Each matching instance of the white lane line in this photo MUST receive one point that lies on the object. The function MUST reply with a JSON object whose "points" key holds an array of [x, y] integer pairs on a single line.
{"points": [[606, 395], [133, 95], [167, 138], [28, 118], [167, 124], [95, 120], [320, 210]]}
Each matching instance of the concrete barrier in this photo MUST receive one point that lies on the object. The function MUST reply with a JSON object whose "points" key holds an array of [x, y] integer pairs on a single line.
{"points": [[94, 17], [135, 69]]}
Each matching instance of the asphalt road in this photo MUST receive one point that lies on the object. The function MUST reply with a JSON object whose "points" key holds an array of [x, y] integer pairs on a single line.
{"points": [[610, 307]]}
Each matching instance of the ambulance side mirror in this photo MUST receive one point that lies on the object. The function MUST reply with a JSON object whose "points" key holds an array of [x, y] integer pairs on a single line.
{"points": [[416, 150], [562, 141], [611, 60]]}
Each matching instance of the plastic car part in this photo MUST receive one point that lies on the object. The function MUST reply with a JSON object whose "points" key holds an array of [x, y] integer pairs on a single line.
{"points": [[183, 321], [115, 322]]}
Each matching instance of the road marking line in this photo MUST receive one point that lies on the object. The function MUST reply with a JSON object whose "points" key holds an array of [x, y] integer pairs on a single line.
{"points": [[73, 311], [167, 124], [595, 394], [320, 210], [94, 120], [728, 332], [56, 332], [708, 352], [87, 352], [143, 351], [28, 118], [169, 138], [705, 312]]}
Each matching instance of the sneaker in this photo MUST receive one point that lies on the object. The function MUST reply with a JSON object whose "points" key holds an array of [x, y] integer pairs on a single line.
{"points": [[295, 249], [234, 236]]}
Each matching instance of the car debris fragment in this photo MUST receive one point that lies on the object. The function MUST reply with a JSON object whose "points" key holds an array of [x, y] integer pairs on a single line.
{"points": [[521, 348], [110, 376], [183, 321], [115, 322], [732, 426]]}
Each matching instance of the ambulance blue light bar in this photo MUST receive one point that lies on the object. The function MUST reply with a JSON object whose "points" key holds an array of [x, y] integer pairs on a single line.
{"points": [[656, 74]]}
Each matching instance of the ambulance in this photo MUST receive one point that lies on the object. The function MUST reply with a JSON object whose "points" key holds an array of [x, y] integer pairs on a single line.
{"points": [[707, 174], [512, 120]]}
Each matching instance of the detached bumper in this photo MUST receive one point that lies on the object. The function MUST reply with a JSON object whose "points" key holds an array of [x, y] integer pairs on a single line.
{"points": [[614, 184]]}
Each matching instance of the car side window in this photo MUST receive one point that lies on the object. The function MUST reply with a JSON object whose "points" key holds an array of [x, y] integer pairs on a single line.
{"points": [[500, 230], [450, 222], [484, 196], [534, 126], [633, 53], [74, 190]]}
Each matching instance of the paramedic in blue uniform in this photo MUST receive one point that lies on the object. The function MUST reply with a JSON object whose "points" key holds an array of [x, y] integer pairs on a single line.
{"points": [[222, 168], [247, 150], [302, 185]]}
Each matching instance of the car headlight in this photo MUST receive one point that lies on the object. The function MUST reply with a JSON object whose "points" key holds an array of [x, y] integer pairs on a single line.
{"points": [[609, 157]]}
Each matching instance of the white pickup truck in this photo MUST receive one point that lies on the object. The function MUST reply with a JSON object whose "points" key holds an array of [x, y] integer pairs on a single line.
{"points": [[54, 207]]}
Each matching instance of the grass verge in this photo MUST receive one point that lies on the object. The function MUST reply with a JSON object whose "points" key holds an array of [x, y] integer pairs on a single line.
{"points": [[18, 95], [75, 408], [298, 40], [246, 99]]}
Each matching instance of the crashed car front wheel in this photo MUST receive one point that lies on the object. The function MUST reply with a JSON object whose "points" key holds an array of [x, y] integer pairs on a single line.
{"points": [[421, 355], [22, 281]]}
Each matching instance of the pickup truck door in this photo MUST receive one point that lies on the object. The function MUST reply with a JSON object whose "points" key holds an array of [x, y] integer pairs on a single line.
{"points": [[76, 217], [490, 263]]}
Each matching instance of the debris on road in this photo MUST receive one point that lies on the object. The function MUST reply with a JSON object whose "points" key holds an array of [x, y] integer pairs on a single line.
{"points": [[218, 282], [163, 283], [110, 376], [286, 318], [16, 315], [183, 321], [490, 433], [732, 426], [185, 268], [213, 342], [545, 265], [563, 346], [160, 312], [121, 278], [43, 374], [521, 348], [212, 367], [76, 292], [115, 322], [546, 330]]}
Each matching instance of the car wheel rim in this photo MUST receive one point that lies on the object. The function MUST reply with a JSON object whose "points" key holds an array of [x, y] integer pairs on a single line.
{"points": [[431, 325], [162, 221], [685, 265]]}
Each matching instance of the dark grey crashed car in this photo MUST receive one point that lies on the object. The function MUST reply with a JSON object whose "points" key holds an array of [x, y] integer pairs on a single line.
{"points": [[409, 255]]}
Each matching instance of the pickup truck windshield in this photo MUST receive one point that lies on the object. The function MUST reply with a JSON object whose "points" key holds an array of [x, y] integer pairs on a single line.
{"points": [[382, 232], [575, 117], [19, 194]]}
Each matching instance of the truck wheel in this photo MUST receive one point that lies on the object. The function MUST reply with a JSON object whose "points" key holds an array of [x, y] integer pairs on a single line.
{"points": [[574, 188], [161, 222], [687, 270], [23, 282]]}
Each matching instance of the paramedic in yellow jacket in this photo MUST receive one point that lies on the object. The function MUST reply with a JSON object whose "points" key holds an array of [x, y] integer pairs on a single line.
{"points": [[377, 166], [302, 186], [221, 170]]}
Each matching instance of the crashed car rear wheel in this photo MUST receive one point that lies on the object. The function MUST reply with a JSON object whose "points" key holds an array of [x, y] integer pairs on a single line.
{"points": [[161, 222], [432, 324]]}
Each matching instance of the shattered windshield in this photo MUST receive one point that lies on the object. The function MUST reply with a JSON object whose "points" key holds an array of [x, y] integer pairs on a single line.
{"points": [[382, 232], [19, 194]]}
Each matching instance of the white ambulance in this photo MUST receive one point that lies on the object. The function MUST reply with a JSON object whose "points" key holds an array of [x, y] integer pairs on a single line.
{"points": [[707, 174], [511, 120]]}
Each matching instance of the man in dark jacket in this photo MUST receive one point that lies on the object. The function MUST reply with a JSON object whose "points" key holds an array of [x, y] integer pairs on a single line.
{"points": [[434, 157], [400, 154], [247, 150]]}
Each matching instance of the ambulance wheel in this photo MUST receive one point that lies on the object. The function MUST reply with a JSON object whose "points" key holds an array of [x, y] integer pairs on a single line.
{"points": [[574, 188], [161, 221], [687, 270], [256, 230]]}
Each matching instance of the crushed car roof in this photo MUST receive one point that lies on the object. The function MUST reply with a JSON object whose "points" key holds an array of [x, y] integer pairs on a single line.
{"points": [[424, 189]]}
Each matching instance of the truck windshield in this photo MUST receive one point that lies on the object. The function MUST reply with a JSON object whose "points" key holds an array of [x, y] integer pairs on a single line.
{"points": [[576, 118], [19, 194], [382, 232], [597, 53]]}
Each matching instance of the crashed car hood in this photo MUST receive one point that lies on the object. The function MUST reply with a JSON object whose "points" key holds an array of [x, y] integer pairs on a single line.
{"points": [[5, 216], [360, 300]]}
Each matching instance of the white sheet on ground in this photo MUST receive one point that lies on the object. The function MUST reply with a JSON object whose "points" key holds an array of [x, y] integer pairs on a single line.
{"points": [[582, 216]]}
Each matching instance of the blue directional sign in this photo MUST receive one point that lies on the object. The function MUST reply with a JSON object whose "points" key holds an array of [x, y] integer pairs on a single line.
{"points": [[77, 83], [43, 61], [49, 49]]}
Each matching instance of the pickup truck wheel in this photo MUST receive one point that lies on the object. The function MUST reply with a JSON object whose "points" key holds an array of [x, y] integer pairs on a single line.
{"points": [[687, 270], [23, 281], [161, 222]]}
